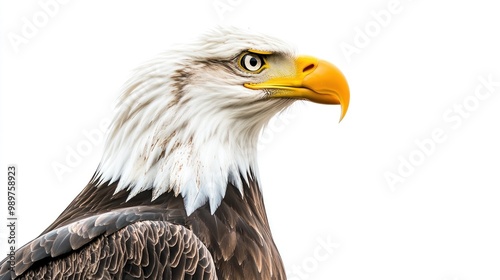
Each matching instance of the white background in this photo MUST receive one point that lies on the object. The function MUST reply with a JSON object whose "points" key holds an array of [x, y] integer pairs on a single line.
{"points": [[323, 181]]}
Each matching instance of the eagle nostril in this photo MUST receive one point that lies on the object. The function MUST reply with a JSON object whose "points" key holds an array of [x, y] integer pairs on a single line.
{"points": [[308, 67]]}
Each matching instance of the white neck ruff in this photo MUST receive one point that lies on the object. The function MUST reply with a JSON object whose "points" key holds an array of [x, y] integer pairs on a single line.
{"points": [[188, 127]]}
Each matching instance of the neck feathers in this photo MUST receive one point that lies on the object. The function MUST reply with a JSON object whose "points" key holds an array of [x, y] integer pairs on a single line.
{"points": [[183, 126]]}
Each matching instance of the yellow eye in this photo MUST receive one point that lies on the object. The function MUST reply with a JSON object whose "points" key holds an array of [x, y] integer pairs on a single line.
{"points": [[252, 62]]}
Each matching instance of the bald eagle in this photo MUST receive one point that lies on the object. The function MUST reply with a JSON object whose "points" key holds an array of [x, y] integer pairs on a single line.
{"points": [[177, 192]]}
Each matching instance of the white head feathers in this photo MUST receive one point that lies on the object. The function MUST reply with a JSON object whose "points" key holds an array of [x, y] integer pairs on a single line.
{"points": [[186, 124]]}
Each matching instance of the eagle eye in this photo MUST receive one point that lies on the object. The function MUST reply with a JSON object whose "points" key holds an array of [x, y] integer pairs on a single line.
{"points": [[252, 62]]}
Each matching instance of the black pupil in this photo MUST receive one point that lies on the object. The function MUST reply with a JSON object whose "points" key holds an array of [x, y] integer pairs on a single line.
{"points": [[253, 61]]}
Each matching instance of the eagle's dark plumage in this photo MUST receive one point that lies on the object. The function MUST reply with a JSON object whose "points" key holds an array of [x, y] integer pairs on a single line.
{"points": [[177, 193], [111, 238]]}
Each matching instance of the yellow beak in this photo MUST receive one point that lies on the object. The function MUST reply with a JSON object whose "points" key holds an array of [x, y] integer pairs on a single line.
{"points": [[315, 80]]}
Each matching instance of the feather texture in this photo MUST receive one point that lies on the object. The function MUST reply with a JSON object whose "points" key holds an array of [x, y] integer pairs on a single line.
{"points": [[142, 239], [185, 122], [176, 194], [142, 250]]}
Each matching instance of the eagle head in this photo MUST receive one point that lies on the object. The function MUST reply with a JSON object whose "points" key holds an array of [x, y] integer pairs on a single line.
{"points": [[188, 121]]}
